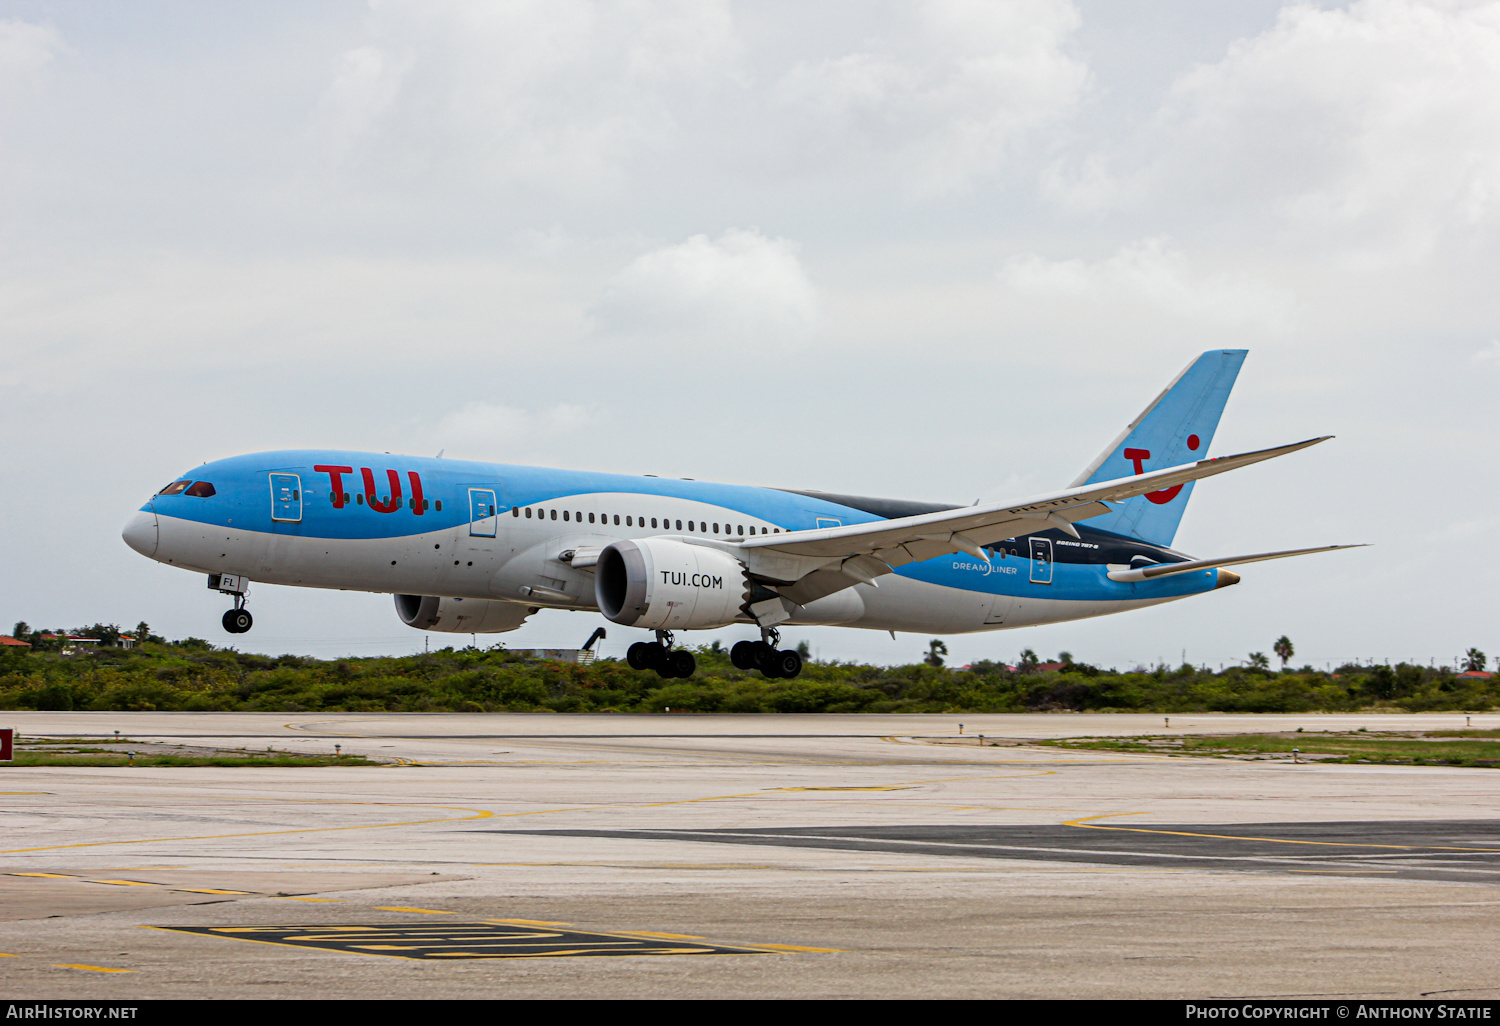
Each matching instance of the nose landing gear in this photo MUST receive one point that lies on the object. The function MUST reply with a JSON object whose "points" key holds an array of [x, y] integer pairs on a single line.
{"points": [[659, 655], [762, 655]]}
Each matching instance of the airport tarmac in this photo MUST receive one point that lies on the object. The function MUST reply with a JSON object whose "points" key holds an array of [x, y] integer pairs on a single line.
{"points": [[742, 856]]}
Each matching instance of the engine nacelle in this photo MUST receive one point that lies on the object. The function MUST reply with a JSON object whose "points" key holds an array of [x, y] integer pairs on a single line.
{"points": [[460, 615], [668, 585]]}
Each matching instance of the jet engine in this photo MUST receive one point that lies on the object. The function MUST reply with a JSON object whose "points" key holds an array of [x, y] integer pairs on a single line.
{"points": [[667, 585], [459, 615]]}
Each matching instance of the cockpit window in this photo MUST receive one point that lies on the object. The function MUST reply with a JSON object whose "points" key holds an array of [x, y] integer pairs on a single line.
{"points": [[201, 489], [174, 487]]}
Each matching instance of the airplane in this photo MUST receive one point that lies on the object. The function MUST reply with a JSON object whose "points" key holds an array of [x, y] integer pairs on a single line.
{"points": [[477, 548]]}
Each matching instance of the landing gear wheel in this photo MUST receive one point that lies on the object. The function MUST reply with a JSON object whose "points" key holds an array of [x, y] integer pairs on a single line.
{"points": [[788, 664], [238, 621], [761, 657], [742, 655], [678, 663], [642, 655]]}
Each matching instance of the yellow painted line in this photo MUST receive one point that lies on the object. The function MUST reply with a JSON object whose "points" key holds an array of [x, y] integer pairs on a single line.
{"points": [[91, 968], [294, 897], [6, 954], [665, 936], [50, 876], [478, 814], [1345, 872], [405, 908], [1084, 824], [125, 883], [208, 890], [527, 922], [798, 947]]}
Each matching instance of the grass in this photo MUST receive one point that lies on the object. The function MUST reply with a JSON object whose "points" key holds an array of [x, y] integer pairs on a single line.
{"points": [[1362, 747], [80, 755]]}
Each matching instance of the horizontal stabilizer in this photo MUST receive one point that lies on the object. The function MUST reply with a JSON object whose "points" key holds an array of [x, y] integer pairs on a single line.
{"points": [[1146, 573]]}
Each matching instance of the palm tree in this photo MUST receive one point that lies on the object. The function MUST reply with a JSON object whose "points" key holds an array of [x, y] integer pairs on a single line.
{"points": [[935, 652], [1474, 659], [1283, 649], [1258, 661]]}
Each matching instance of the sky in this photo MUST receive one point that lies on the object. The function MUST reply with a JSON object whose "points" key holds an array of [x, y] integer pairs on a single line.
{"points": [[933, 250]]}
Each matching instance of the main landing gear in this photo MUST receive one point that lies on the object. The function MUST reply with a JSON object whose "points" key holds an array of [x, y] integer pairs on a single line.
{"points": [[659, 655], [762, 655]]}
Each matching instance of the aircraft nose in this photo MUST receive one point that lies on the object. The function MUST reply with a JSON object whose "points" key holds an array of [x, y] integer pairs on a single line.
{"points": [[140, 532]]}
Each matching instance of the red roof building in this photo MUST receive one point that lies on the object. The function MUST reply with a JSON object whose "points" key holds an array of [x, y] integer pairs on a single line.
{"points": [[6, 639]]}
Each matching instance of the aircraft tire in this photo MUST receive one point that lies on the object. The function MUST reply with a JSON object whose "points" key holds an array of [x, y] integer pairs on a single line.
{"points": [[638, 657], [761, 655], [788, 664], [742, 655], [682, 663], [238, 621]]}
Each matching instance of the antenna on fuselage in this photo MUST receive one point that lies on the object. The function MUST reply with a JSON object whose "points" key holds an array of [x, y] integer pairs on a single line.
{"points": [[440, 454]]}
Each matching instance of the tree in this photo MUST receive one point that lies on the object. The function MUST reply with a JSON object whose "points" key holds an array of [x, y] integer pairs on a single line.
{"points": [[804, 650], [21, 630], [1474, 659], [1066, 658], [107, 633], [1029, 660], [935, 652], [1284, 650], [1258, 661]]}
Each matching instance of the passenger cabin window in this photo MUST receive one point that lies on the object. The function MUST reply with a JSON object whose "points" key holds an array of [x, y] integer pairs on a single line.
{"points": [[175, 487], [554, 514], [201, 489], [438, 505]]}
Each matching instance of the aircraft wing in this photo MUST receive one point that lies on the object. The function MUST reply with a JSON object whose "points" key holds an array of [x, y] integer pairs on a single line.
{"points": [[806, 565]]}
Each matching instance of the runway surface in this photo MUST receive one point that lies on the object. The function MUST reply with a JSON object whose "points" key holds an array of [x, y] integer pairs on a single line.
{"points": [[722, 856]]}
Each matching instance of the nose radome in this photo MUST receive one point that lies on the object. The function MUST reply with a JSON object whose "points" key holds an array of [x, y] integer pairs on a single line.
{"points": [[140, 532]]}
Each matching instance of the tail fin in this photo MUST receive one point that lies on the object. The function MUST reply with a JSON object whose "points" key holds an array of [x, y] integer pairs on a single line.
{"points": [[1176, 428]]}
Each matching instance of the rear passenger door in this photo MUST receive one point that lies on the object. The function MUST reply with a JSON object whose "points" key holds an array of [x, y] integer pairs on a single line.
{"points": [[1041, 560]]}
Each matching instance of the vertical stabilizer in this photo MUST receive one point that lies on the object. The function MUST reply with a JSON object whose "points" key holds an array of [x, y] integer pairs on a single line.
{"points": [[1176, 428]]}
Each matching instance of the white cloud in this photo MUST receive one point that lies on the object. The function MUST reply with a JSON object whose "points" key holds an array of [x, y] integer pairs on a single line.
{"points": [[1147, 296], [949, 95], [97, 317], [1378, 122], [25, 47], [1489, 355], [558, 93], [741, 289]]}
